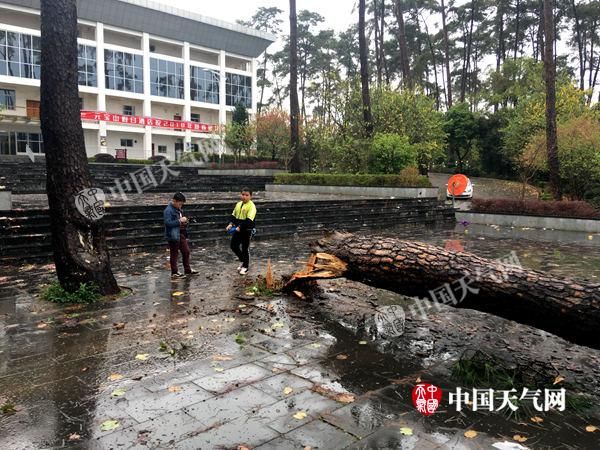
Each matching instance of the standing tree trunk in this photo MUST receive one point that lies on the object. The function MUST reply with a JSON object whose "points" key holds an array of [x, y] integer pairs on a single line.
{"points": [[447, 56], [295, 163], [364, 70], [550, 78], [404, 59], [517, 26], [579, 41], [79, 245]]}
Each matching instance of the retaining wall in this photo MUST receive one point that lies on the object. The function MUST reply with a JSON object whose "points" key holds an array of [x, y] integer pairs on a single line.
{"points": [[553, 223]]}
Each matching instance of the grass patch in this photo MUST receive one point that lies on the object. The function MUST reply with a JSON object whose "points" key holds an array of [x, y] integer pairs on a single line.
{"points": [[86, 293], [405, 179], [8, 408]]}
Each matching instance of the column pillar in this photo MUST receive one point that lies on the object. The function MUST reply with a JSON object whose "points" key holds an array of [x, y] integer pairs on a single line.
{"points": [[100, 79], [187, 96], [147, 101], [222, 99], [254, 66]]}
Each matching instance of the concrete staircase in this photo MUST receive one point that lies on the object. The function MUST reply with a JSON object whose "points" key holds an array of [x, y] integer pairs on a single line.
{"points": [[21, 176], [25, 235]]}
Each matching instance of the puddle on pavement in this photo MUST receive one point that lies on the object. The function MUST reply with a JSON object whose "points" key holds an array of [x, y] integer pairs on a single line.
{"points": [[55, 362]]}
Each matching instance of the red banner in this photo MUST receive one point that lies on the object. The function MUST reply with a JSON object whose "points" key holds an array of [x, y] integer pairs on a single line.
{"points": [[148, 121]]}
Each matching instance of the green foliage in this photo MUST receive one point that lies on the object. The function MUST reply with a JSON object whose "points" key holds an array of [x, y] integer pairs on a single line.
{"points": [[86, 293], [578, 154], [407, 178], [462, 128], [273, 134], [390, 153], [240, 114], [239, 138]]}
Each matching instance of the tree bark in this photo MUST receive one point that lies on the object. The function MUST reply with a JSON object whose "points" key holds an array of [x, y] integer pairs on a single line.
{"points": [[296, 162], [404, 58], [563, 306], [79, 245], [364, 70], [550, 78], [579, 41], [447, 56]]}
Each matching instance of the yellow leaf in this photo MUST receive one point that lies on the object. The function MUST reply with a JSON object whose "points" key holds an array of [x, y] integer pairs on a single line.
{"points": [[109, 425], [470, 434], [406, 431], [222, 358], [177, 294], [418, 380], [115, 377], [341, 357], [558, 379], [299, 415], [229, 319], [218, 369], [142, 357], [345, 398], [315, 345], [537, 419], [41, 325], [287, 391], [591, 428], [118, 393], [278, 325], [362, 342], [175, 389], [519, 438], [241, 306], [74, 437]]}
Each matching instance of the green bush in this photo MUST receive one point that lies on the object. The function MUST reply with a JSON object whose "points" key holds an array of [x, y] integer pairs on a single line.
{"points": [[87, 293], [390, 153], [408, 178]]}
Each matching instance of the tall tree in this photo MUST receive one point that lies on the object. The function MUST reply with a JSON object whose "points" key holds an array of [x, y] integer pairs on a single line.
{"points": [[364, 69], [446, 55], [550, 78], [404, 57], [296, 162], [79, 245]]}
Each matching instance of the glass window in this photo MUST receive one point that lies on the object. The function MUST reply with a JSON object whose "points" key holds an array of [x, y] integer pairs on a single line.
{"points": [[31, 140], [238, 88], [19, 55], [128, 110], [195, 117], [162, 149], [126, 142], [124, 71], [8, 99], [167, 79], [204, 85], [86, 65]]}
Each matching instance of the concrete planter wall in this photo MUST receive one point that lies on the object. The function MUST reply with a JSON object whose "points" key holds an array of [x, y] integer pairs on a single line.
{"points": [[508, 220], [5, 201], [360, 191]]}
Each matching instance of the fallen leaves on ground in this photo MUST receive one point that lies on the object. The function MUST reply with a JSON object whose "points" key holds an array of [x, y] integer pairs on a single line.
{"points": [[115, 377], [74, 437], [109, 425], [341, 357], [558, 379], [519, 438], [177, 293], [362, 342], [118, 393], [591, 428], [41, 325], [537, 419], [315, 345], [142, 357], [222, 358], [338, 396], [300, 415], [278, 325], [287, 390], [299, 294], [175, 389], [119, 325], [218, 369], [406, 431], [470, 434]]}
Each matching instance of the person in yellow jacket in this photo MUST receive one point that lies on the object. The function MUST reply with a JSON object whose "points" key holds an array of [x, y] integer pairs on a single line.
{"points": [[242, 228]]}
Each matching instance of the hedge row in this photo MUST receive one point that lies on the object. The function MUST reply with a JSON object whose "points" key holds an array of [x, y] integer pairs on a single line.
{"points": [[368, 180], [574, 209]]}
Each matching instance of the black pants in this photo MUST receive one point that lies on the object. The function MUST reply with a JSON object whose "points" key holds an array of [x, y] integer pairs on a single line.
{"points": [[240, 243]]}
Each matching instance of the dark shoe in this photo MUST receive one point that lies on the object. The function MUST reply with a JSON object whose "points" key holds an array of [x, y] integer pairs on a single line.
{"points": [[175, 276], [192, 272]]}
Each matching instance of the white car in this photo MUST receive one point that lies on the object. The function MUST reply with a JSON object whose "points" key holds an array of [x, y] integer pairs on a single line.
{"points": [[466, 194]]}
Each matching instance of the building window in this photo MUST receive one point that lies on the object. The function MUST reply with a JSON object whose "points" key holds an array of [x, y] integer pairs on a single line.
{"points": [[81, 108], [20, 55], [204, 85], [195, 117], [124, 71], [162, 149], [126, 142], [86, 65], [128, 110], [8, 99], [238, 88], [166, 78], [31, 140]]}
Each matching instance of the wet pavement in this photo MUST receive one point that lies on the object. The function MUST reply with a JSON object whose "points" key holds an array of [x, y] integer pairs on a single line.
{"points": [[204, 362]]}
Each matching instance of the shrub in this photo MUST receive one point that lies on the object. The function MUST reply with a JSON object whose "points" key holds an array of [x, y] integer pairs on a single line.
{"points": [[104, 158], [158, 158], [407, 179], [86, 293], [390, 153], [575, 209]]}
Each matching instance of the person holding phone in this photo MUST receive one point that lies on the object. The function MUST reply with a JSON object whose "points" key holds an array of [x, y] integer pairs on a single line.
{"points": [[176, 234]]}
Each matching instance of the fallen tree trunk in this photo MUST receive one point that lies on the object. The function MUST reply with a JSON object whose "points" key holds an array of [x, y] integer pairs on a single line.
{"points": [[563, 306]]}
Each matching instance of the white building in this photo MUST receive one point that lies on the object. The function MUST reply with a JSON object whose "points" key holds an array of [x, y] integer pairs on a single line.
{"points": [[153, 80]]}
